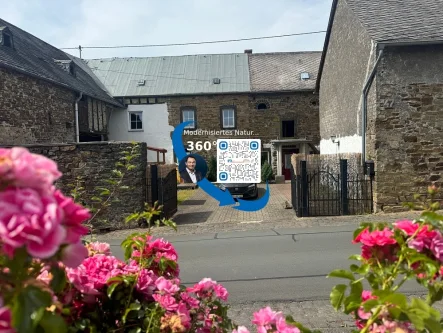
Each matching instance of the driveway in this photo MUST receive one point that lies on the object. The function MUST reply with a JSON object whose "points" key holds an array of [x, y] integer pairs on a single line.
{"points": [[203, 209]]}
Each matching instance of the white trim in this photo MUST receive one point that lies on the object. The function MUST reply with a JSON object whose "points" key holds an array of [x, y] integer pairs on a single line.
{"points": [[140, 113], [233, 117], [345, 144]]}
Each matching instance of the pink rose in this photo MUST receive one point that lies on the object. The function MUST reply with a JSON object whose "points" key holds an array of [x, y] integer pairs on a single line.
{"points": [[377, 237], [167, 302], [93, 274], [21, 168], [74, 254], [166, 285], [5, 319], [264, 317], [145, 283], [99, 248], [30, 219], [74, 216], [221, 292]]}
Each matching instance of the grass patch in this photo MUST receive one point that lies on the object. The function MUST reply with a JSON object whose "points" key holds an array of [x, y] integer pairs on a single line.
{"points": [[183, 195]]}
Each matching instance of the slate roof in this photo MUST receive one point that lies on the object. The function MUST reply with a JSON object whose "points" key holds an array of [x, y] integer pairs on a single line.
{"points": [[281, 71], [400, 20], [35, 57], [393, 21], [173, 75]]}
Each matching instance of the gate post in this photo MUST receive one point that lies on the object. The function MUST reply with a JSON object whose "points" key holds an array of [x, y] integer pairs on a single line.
{"points": [[304, 189], [344, 187], [154, 183]]}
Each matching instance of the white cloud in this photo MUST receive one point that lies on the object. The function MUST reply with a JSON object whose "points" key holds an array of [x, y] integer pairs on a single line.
{"points": [[134, 22]]}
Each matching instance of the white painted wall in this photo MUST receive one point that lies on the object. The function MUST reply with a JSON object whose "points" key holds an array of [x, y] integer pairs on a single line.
{"points": [[348, 144], [156, 130]]}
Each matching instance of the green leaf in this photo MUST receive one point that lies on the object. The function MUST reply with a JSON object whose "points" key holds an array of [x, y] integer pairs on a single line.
{"points": [[341, 273], [111, 289], [97, 199], [337, 296], [370, 304], [53, 323], [135, 330], [58, 281], [105, 192], [26, 307], [433, 325], [291, 321], [399, 300], [356, 257], [132, 307]]}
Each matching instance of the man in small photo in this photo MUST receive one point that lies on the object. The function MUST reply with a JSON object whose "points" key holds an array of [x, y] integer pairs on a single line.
{"points": [[190, 174]]}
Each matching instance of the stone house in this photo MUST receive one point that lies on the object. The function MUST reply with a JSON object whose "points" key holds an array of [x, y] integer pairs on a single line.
{"points": [[380, 84], [41, 88], [266, 96]]}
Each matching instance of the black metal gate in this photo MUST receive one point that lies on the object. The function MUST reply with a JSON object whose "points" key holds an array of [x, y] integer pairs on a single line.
{"points": [[321, 192], [163, 189]]}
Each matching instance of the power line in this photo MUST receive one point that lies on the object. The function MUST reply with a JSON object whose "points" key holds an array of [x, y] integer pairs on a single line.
{"points": [[192, 43]]}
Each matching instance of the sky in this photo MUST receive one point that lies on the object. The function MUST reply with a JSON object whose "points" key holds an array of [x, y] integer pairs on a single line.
{"points": [[69, 23]]}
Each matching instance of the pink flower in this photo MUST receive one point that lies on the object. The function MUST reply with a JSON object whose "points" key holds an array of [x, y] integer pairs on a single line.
{"points": [[74, 216], [283, 327], [190, 301], [437, 246], [30, 219], [221, 292], [377, 237], [167, 302], [74, 254], [241, 329], [166, 285], [99, 248], [184, 314], [19, 167], [264, 317], [93, 274], [5, 319], [145, 283]]}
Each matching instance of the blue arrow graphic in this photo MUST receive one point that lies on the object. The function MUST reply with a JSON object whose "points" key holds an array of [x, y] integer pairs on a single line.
{"points": [[224, 197], [252, 206]]}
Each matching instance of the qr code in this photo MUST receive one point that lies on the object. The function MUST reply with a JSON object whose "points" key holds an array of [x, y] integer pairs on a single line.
{"points": [[238, 161]]}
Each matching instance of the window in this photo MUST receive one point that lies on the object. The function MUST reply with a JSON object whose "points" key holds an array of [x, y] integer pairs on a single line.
{"points": [[188, 114], [135, 121], [288, 128], [228, 117], [6, 37]]}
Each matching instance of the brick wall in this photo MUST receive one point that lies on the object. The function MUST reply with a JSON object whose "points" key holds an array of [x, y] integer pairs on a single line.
{"points": [[409, 137], [34, 111], [265, 124], [344, 74], [94, 163]]}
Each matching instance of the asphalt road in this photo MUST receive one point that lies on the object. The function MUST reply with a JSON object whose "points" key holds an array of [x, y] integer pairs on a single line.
{"points": [[268, 265]]}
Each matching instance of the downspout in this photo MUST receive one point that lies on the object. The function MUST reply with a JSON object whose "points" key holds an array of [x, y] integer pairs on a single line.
{"points": [[77, 127], [365, 107]]}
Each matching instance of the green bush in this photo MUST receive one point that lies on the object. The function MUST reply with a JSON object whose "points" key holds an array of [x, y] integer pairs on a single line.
{"points": [[212, 169], [266, 172]]}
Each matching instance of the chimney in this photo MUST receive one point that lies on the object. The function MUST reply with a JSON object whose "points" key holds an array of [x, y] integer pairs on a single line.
{"points": [[249, 51]]}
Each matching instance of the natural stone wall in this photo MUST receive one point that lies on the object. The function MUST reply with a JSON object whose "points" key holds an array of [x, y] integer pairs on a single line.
{"points": [[94, 162], [302, 107], [409, 137], [34, 111], [344, 74], [331, 163]]}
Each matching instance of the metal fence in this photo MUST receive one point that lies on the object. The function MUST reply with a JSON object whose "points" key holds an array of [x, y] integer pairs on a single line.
{"points": [[320, 192]]}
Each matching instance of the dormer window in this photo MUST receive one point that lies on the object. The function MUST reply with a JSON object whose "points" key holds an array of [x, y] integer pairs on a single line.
{"points": [[6, 37], [66, 65]]}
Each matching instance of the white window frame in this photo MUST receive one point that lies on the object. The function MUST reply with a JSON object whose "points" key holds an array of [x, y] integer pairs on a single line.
{"points": [[190, 126], [223, 117], [130, 113]]}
